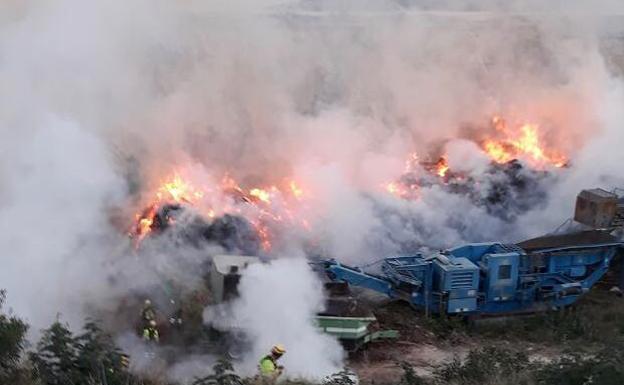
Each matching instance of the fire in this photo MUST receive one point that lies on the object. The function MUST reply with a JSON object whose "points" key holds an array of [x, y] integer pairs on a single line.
{"points": [[523, 143], [442, 167], [144, 224], [261, 194], [270, 207], [261, 206], [174, 190], [402, 190], [502, 144], [265, 236], [394, 188], [179, 191], [497, 151], [297, 192]]}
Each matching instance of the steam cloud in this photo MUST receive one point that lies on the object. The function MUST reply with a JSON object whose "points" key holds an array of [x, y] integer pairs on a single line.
{"points": [[100, 99], [277, 304]]}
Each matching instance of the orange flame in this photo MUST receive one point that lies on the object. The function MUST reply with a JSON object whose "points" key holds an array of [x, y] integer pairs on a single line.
{"points": [[175, 190], [523, 143], [442, 167], [261, 194], [260, 200], [402, 190], [179, 191], [143, 224], [297, 192]]}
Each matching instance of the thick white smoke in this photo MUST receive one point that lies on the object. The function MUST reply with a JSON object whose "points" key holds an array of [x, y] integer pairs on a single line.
{"points": [[101, 99], [52, 240], [277, 305]]}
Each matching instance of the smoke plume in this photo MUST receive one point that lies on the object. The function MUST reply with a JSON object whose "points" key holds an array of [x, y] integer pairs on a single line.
{"points": [[101, 101], [277, 305]]}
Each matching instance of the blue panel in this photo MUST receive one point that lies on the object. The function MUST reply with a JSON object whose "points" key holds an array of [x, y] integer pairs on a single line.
{"points": [[473, 251], [359, 278], [577, 271], [548, 278], [502, 276], [463, 305]]}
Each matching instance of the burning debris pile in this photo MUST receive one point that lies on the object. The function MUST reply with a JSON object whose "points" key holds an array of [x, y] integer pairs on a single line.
{"points": [[523, 142], [518, 166], [239, 220], [514, 180], [232, 232]]}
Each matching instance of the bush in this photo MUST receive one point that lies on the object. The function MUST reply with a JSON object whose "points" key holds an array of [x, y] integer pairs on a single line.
{"points": [[445, 327], [91, 358], [605, 368], [482, 365], [597, 318], [12, 344], [223, 374], [55, 359], [99, 357], [409, 376]]}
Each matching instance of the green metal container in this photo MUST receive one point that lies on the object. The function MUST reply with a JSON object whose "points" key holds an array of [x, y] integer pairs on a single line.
{"points": [[345, 328], [353, 332]]}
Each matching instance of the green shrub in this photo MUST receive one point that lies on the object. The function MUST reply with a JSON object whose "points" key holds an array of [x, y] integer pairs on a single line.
{"points": [[223, 374], [90, 358], [12, 343], [605, 368], [482, 365], [409, 376]]}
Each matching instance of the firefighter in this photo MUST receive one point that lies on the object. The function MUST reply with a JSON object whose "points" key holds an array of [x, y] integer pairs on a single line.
{"points": [[148, 322], [269, 369], [124, 361], [150, 333], [148, 313]]}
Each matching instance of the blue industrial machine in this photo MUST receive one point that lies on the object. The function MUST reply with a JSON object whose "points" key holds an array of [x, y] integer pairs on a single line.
{"points": [[492, 278]]}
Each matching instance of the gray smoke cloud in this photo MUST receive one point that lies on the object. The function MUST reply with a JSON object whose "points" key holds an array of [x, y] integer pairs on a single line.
{"points": [[100, 100]]}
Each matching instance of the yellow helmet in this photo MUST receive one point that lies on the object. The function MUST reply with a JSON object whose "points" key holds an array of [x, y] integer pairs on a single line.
{"points": [[278, 349]]}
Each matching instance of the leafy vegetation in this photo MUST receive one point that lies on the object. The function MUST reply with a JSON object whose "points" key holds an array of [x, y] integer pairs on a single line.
{"points": [[12, 344], [483, 364], [222, 374], [92, 358], [598, 318], [606, 367], [496, 366]]}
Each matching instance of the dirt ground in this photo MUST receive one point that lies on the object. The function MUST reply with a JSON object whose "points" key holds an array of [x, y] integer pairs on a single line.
{"points": [[418, 346]]}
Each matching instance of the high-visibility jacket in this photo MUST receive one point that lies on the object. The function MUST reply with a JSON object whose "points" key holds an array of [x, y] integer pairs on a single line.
{"points": [[268, 367], [151, 334]]}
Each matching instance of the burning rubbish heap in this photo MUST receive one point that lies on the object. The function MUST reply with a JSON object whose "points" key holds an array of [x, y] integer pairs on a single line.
{"points": [[510, 184], [232, 232], [518, 168], [236, 219]]}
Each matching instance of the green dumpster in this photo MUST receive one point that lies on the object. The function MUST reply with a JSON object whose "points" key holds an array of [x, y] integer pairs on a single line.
{"points": [[353, 332]]}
